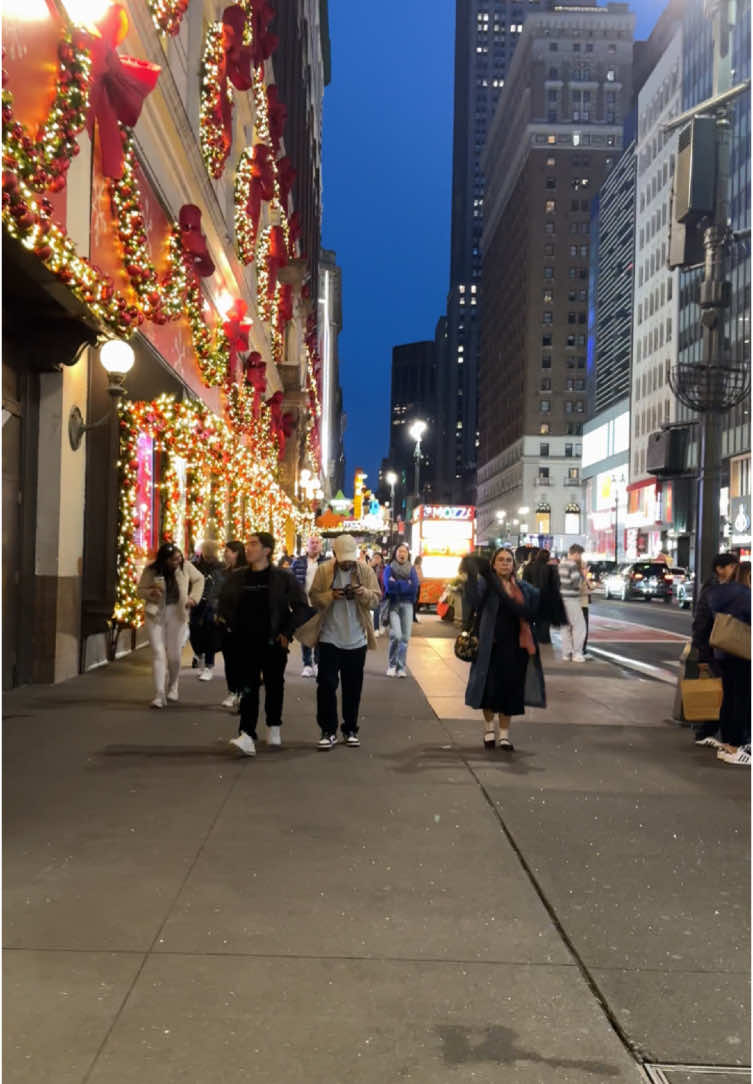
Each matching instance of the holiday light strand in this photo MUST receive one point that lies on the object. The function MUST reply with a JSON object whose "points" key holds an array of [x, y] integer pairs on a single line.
{"points": [[167, 15], [245, 227], [43, 161], [216, 101], [215, 463]]}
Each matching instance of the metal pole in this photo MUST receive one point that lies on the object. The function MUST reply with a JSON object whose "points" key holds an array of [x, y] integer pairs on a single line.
{"points": [[616, 535], [417, 469]]}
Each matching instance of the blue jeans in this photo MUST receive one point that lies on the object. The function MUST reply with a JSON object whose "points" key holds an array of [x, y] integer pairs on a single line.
{"points": [[401, 621], [310, 655]]}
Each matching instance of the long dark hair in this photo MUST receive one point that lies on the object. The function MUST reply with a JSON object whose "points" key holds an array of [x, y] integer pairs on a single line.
{"points": [[239, 550], [399, 546], [160, 565], [502, 549]]}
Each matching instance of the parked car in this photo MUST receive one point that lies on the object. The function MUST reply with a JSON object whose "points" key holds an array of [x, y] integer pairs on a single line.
{"points": [[642, 579], [598, 570], [683, 588]]}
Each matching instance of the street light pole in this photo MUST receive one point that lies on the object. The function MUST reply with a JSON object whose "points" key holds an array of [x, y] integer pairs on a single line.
{"points": [[417, 431], [391, 480]]}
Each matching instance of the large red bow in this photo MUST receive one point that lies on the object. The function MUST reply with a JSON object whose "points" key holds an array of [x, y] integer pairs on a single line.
{"points": [[275, 411], [118, 88], [262, 186], [294, 231], [289, 424], [256, 377], [278, 114], [238, 56], [193, 240], [278, 257], [286, 174], [264, 41], [236, 329]]}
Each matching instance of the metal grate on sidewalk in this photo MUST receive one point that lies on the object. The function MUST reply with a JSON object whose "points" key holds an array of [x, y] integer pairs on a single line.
{"points": [[688, 1074]]}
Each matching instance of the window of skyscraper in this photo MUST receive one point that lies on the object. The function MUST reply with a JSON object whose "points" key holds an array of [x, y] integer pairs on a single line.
{"points": [[544, 429]]}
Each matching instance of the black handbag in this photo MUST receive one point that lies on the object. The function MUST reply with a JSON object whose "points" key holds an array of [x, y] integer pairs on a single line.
{"points": [[466, 647]]}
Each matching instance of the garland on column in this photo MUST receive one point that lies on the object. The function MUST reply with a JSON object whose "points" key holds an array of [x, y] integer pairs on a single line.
{"points": [[167, 15], [216, 104], [215, 463]]}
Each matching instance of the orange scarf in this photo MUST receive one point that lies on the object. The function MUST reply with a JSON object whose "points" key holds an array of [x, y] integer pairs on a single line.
{"points": [[526, 636]]}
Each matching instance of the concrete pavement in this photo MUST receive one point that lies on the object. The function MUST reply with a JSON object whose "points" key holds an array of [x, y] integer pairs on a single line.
{"points": [[416, 909]]}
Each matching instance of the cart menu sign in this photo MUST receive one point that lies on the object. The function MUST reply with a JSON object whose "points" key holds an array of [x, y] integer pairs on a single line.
{"points": [[442, 534]]}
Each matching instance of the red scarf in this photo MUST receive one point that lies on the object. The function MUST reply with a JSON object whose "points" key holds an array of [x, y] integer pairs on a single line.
{"points": [[526, 636]]}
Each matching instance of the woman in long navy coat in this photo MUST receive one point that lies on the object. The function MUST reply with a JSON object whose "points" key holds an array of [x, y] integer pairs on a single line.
{"points": [[507, 674]]}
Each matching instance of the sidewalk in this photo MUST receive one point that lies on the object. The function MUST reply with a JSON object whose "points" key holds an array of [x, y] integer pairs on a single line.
{"points": [[416, 909]]}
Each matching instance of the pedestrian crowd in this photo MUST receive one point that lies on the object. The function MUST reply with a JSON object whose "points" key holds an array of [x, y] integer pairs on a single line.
{"points": [[336, 605]]}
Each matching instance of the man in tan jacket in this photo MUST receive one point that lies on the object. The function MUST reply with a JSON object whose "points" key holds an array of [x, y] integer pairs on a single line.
{"points": [[345, 591]]}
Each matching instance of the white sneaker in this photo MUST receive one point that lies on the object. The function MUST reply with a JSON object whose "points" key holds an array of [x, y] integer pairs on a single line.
{"points": [[229, 701], [308, 671], [158, 702], [579, 658], [315, 669], [391, 671], [206, 674], [273, 736], [172, 692], [245, 743], [402, 673]]}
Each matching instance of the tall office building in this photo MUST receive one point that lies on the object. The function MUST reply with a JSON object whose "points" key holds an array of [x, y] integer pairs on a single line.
{"points": [[697, 69], [413, 396], [556, 134], [330, 326], [486, 33]]}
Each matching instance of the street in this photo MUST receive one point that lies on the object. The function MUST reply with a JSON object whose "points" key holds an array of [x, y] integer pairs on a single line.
{"points": [[417, 909], [652, 633]]}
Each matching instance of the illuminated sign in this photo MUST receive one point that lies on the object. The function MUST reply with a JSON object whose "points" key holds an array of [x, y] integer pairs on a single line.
{"points": [[447, 511]]}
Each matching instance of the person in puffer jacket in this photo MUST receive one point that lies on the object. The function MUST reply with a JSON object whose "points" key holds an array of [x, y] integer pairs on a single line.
{"points": [[401, 586]]}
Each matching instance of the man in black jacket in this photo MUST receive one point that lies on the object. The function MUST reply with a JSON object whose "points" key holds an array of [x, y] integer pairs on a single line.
{"points": [[262, 606]]}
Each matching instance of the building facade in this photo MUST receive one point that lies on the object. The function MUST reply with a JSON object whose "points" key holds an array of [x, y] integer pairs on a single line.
{"points": [[556, 135], [192, 235], [413, 396], [486, 35], [330, 325]]}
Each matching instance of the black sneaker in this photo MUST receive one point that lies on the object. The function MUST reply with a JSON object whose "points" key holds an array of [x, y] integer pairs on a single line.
{"points": [[352, 740], [327, 741]]}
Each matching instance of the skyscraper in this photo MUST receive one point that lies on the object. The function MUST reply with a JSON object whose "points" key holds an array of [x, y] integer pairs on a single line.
{"points": [[556, 134], [413, 397], [486, 33]]}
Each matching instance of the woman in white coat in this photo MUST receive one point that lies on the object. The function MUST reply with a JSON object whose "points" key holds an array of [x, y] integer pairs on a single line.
{"points": [[170, 587]]}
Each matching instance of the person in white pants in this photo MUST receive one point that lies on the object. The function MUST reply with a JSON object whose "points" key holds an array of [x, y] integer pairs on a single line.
{"points": [[170, 587], [571, 578]]}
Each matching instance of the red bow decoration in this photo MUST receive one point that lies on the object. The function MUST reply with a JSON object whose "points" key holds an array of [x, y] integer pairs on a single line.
{"points": [[278, 257], [256, 377], [238, 56], [262, 185], [278, 114], [236, 332], [289, 424], [275, 411], [193, 240], [119, 85], [286, 174], [285, 305], [264, 41]]}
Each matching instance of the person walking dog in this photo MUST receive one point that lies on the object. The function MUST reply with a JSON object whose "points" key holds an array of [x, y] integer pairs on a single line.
{"points": [[344, 592], [401, 585], [262, 605], [170, 587], [506, 674]]}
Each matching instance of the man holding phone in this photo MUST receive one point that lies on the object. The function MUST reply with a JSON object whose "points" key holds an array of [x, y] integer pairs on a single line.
{"points": [[344, 591]]}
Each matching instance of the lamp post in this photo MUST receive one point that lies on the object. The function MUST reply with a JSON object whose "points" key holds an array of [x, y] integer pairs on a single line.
{"points": [[391, 480], [116, 358], [416, 432], [500, 515]]}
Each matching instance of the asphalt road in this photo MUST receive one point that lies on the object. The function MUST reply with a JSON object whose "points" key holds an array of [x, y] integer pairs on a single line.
{"points": [[640, 643]]}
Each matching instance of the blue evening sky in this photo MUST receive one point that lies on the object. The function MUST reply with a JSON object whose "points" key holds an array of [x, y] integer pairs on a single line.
{"points": [[387, 174]]}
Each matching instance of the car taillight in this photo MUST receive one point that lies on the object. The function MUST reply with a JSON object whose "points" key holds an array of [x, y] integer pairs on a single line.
{"points": [[668, 579], [637, 576]]}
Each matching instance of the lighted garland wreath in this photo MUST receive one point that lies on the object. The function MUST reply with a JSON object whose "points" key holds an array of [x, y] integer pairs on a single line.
{"points": [[43, 160], [167, 15], [219, 472], [215, 102], [245, 227]]}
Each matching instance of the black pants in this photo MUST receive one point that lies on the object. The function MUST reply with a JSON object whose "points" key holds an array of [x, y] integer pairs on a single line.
{"points": [[268, 661], [542, 630], [734, 715], [232, 665], [334, 663], [202, 632], [585, 618]]}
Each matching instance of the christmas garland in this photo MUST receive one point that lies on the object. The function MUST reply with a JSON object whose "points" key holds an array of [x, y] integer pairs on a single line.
{"points": [[219, 471], [216, 100], [167, 15]]}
